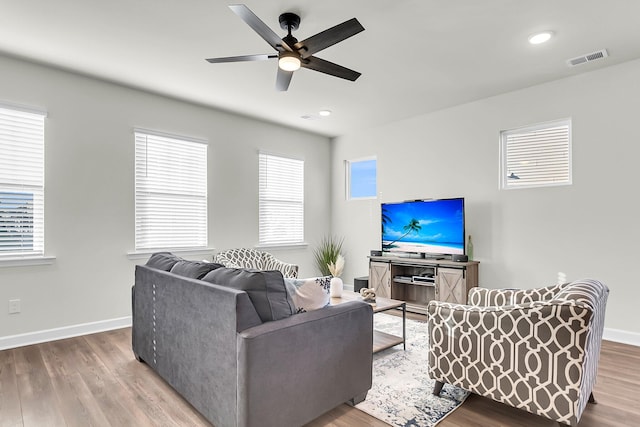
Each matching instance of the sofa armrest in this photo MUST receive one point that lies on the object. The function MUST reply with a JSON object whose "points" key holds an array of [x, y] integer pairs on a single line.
{"points": [[326, 354]]}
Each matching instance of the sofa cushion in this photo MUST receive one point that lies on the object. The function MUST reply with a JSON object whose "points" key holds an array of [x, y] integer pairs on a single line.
{"points": [[266, 290], [309, 294], [194, 269], [163, 261]]}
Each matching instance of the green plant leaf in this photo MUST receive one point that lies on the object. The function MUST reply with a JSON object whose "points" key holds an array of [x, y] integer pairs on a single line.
{"points": [[326, 252]]}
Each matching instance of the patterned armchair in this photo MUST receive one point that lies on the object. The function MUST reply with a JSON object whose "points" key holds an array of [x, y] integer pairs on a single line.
{"points": [[251, 258], [533, 349]]}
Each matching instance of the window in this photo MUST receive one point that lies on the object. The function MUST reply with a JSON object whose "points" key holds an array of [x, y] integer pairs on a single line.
{"points": [[536, 156], [170, 192], [21, 183], [361, 179], [281, 200]]}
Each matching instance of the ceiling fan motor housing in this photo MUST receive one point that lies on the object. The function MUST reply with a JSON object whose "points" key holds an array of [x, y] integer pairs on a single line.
{"points": [[289, 21]]}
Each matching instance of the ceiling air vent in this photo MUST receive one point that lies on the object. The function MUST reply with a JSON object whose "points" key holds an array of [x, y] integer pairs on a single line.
{"points": [[589, 57]]}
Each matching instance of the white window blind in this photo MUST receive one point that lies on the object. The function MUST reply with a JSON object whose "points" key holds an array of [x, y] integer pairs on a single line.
{"points": [[21, 183], [281, 200], [536, 156], [170, 192]]}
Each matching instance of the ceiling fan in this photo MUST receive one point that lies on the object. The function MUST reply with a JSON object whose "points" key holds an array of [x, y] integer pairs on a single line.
{"points": [[293, 54]]}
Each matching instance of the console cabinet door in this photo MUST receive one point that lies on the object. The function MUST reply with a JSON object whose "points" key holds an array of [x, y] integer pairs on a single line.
{"points": [[380, 278], [451, 285]]}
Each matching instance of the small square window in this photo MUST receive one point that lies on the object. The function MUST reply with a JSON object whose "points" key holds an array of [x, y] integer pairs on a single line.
{"points": [[536, 156], [361, 179]]}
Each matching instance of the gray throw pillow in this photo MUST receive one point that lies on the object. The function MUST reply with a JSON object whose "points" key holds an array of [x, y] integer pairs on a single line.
{"points": [[163, 261], [266, 290], [194, 269]]}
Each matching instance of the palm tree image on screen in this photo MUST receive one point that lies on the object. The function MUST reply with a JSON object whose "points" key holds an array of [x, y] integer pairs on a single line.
{"points": [[413, 227]]}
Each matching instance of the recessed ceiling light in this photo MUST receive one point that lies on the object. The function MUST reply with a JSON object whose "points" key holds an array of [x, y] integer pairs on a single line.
{"points": [[324, 113], [541, 37]]}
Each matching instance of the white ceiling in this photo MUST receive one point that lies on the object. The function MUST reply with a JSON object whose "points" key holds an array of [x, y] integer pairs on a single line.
{"points": [[415, 56]]}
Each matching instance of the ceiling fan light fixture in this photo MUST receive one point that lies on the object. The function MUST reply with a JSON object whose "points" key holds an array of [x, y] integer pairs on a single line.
{"points": [[288, 61]]}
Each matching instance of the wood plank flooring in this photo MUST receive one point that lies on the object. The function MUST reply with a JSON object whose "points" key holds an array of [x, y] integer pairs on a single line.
{"points": [[94, 380]]}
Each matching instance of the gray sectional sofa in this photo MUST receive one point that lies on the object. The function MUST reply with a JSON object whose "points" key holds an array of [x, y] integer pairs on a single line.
{"points": [[226, 340]]}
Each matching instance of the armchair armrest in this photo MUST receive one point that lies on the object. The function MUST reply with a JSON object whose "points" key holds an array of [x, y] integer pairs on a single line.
{"points": [[327, 351]]}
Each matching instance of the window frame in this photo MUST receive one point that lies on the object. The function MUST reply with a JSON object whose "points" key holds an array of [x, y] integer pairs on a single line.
{"points": [[203, 234], [349, 179], [262, 221], [505, 170]]}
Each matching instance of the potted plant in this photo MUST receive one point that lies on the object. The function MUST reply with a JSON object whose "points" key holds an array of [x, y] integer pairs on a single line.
{"points": [[330, 261]]}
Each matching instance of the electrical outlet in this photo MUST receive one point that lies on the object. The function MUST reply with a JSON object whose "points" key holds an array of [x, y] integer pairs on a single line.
{"points": [[14, 306]]}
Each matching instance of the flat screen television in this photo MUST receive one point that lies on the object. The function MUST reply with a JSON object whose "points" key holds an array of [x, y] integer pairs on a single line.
{"points": [[426, 227]]}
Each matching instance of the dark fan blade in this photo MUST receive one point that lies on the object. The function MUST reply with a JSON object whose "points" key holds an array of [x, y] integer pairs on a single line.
{"points": [[283, 79], [317, 64], [259, 27], [242, 58], [328, 37]]}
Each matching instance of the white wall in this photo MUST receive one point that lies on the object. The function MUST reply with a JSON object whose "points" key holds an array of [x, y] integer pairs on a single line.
{"points": [[89, 207], [522, 238]]}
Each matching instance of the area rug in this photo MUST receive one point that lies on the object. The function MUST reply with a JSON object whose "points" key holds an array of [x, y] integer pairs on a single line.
{"points": [[402, 392]]}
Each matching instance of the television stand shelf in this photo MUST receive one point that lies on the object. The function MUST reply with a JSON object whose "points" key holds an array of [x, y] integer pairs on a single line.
{"points": [[418, 281]]}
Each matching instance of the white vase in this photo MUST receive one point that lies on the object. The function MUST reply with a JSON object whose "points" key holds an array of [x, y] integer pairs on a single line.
{"points": [[336, 287]]}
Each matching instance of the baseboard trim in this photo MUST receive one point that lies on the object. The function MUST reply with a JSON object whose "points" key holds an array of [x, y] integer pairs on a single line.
{"points": [[13, 341], [624, 337]]}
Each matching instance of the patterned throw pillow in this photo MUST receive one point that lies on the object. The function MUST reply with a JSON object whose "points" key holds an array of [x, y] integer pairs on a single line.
{"points": [[308, 294]]}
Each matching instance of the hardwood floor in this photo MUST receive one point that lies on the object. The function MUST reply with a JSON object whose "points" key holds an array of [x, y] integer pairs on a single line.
{"points": [[94, 380]]}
